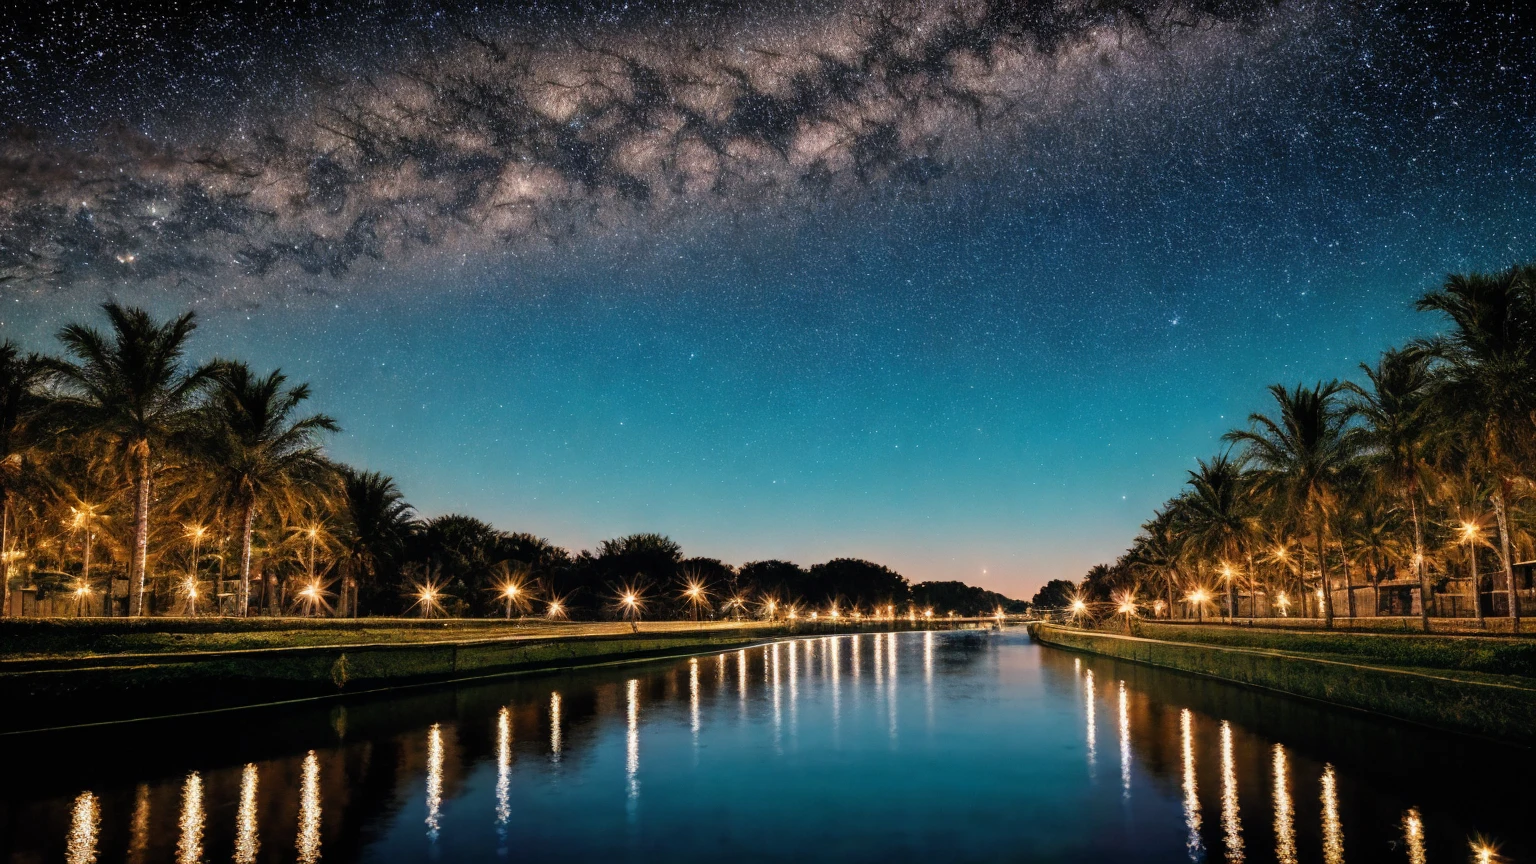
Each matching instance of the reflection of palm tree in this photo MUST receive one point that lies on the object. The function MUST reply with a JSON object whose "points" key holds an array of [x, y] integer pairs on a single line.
{"points": [[20, 377], [1217, 515], [257, 451], [378, 521], [1300, 457], [1485, 383], [133, 388], [1395, 436]]}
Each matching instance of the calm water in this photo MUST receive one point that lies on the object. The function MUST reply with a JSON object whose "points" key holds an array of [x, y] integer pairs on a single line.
{"points": [[964, 746]]}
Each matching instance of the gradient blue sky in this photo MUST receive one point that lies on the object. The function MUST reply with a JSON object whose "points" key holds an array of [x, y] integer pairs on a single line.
{"points": [[993, 377]]}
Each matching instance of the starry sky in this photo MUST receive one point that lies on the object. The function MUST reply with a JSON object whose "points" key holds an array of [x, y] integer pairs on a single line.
{"points": [[959, 287]]}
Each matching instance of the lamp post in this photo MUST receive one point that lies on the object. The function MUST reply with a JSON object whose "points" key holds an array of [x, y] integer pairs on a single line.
{"points": [[1198, 597], [1469, 535]]}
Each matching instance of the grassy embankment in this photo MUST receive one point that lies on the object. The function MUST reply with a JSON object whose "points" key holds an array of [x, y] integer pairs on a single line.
{"points": [[1477, 685], [77, 672]]}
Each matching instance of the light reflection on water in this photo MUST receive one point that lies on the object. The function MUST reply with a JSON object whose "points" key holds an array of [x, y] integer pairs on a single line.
{"points": [[1191, 788], [1413, 836], [1125, 744], [138, 837], [1092, 723], [1231, 824], [1285, 828], [84, 823], [996, 745], [247, 843], [189, 847], [632, 739], [554, 726], [434, 781], [503, 768], [1333, 829], [309, 810]]}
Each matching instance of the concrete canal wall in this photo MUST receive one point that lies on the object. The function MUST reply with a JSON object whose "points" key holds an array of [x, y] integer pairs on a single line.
{"points": [[49, 693], [1499, 706]]}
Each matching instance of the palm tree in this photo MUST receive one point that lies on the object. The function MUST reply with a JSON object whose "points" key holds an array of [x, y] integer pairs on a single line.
{"points": [[1485, 383], [1301, 456], [377, 523], [1395, 437], [20, 378], [133, 389], [1372, 536], [1217, 515], [1159, 550], [257, 451]]}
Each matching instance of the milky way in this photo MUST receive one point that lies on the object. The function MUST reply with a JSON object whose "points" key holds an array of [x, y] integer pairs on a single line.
{"points": [[486, 132], [957, 286]]}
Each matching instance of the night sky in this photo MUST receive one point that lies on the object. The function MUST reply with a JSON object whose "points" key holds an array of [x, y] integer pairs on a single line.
{"points": [[962, 287]]}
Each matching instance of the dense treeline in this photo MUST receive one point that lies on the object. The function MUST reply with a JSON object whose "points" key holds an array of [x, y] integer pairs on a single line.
{"points": [[1414, 482], [133, 482]]}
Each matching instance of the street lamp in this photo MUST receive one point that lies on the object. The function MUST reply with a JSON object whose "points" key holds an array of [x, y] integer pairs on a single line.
{"points": [[1199, 597], [510, 593], [1469, 534]]}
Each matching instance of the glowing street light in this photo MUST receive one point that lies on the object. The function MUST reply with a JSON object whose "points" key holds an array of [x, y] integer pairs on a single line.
{"points": [[428, 599], [511, 592], [1199, 597], [555, 609], [631, 604], [696, 595], [82, 593], [1078, 607]]}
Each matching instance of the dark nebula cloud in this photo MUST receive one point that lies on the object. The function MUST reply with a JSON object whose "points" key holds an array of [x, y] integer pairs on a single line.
{"points": [[491, 132]]}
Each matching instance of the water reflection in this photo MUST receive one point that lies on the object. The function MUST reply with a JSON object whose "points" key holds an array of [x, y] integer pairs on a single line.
{"points": [[246, 842], [794, 687], [189, 847], [554, 726], [434, 781], [693, 698], [891, 673], [309, 810], [741, 681], [837, 690], [1088, 703], [778, 715], [84, 823], [1413, 835], [1333, 831], [1285, 827], [928, 637], [503, 769], [1191, 793], [987, 721], [632, 739], [1125, 743], [138, 832], [1231, 825]]}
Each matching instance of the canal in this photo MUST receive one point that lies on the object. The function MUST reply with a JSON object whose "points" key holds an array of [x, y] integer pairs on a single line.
{"points": [[942, 746]]}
